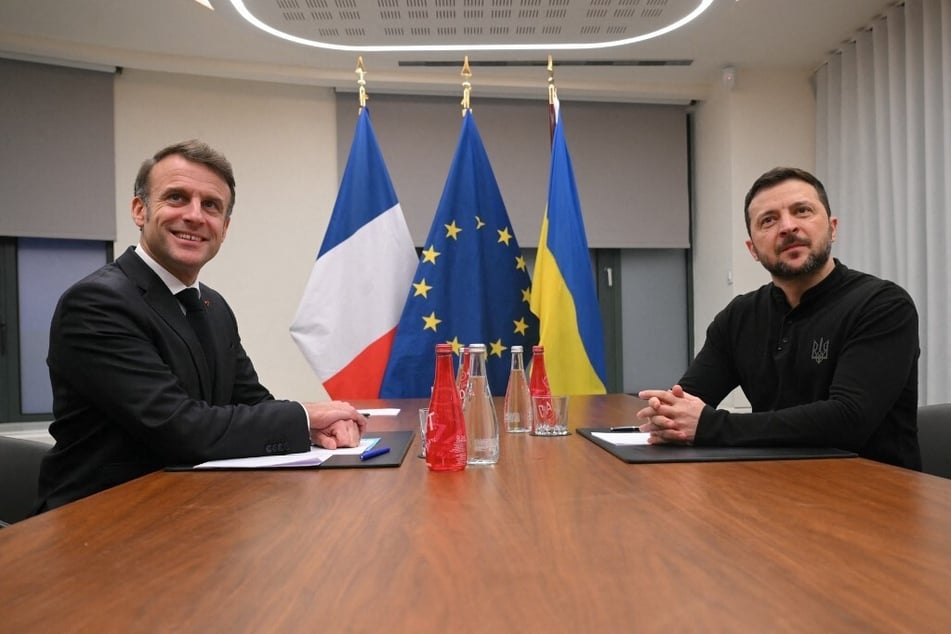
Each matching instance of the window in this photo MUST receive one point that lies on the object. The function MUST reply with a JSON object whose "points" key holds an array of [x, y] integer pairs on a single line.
{"points": [[36, 271]]}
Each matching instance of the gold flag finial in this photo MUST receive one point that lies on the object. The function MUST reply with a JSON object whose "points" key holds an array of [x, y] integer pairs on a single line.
{"points": [[552, 100], [552, 93], [466, 85], [362, 82]]}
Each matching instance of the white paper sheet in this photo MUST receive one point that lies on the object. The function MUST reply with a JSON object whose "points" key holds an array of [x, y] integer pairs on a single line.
{"points": [[623, 438], [383, 411], [311, 458]]}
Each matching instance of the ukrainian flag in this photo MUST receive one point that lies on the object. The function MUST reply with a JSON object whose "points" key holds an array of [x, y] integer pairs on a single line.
{"points": [[564, 295]]}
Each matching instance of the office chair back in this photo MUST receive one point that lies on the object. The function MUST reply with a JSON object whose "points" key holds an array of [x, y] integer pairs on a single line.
{"points": [[19, 477], [934, 437]]}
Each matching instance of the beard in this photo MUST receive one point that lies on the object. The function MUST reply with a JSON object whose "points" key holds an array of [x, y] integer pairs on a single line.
{"points": [[818, 256]]}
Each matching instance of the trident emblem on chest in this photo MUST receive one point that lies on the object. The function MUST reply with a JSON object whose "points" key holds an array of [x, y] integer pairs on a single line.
{"points": [[820, 350]]}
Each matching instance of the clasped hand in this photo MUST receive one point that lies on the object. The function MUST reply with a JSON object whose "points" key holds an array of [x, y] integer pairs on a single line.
{"points": [[335, 424], [671, 415]]}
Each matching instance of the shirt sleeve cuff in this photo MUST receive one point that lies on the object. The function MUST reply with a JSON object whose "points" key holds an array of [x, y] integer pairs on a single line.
{"points": [[306, 416]]}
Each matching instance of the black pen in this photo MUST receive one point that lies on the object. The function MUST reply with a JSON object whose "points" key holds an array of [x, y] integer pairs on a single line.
{"points": [[627, 428], [373, 453]]}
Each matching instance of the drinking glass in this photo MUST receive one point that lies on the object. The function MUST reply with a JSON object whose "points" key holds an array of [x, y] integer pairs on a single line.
{"points": [[550, 415], [423, 417]]}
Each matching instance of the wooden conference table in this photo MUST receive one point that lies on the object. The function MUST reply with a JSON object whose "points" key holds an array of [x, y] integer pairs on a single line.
{"points": [[559, 536]]}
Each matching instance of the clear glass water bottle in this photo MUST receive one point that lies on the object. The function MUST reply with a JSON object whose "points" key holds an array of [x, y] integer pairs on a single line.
{"points": [[482, 424], [517, 412], [445, 426]]}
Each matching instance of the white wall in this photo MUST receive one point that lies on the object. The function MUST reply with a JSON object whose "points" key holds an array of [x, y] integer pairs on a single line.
{"points": [[712, 242], [768, 119], [281, 141]]}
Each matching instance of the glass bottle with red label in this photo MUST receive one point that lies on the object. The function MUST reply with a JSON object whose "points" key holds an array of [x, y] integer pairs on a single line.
{"points": [[445, 427], [542, 414]]}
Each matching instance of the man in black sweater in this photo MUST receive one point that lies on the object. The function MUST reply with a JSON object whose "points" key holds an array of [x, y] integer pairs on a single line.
{"points": [[827, 356]]}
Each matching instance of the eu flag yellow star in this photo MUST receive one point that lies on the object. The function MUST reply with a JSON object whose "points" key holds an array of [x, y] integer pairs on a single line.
{"points": [[430, 255], [421, 288], [452, 230], [497, 348], [431, 321], [520, 326]]}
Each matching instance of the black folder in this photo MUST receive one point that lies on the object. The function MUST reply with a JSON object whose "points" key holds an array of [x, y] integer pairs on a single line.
{"points": [[682, 453]]}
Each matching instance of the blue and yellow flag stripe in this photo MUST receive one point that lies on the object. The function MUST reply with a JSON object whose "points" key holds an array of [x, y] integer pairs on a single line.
{"points": [[564, 294]]}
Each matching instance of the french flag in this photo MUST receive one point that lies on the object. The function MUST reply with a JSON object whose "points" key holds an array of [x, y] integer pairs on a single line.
{"points": [[348, 314]]}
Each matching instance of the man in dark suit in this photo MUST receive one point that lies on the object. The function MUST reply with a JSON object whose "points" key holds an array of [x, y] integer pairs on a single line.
{"points": [[135, 385]]}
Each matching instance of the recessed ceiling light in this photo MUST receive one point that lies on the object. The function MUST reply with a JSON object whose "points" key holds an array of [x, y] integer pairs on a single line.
{"points": [[239, 5]]}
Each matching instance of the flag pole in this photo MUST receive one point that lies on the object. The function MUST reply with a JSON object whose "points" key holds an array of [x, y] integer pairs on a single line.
{"points": [[361, 72], [466, 85], [552, 98]]}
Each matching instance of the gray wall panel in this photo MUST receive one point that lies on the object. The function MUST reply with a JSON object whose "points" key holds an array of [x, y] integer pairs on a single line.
{"points": [[57, 152], [654, 309], [630, 162]]}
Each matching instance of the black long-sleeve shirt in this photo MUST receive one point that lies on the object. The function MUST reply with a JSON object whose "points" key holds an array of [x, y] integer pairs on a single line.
{"points": [[838, 370]]}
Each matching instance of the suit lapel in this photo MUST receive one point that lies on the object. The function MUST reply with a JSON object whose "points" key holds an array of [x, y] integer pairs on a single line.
{"points": [[157, 296]]}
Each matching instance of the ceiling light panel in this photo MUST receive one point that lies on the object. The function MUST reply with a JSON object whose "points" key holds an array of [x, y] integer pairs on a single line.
{"points": [[453, 25]]}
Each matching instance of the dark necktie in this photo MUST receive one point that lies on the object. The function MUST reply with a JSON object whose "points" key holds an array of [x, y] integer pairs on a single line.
{"points": [[198, 320]]}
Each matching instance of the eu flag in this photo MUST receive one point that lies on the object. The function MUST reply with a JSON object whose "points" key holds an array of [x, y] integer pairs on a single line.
{"points": [[471, 283]]}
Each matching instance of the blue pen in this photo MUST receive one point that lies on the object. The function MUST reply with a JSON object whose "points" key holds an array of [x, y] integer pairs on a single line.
{"points": [[373, 453]]}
